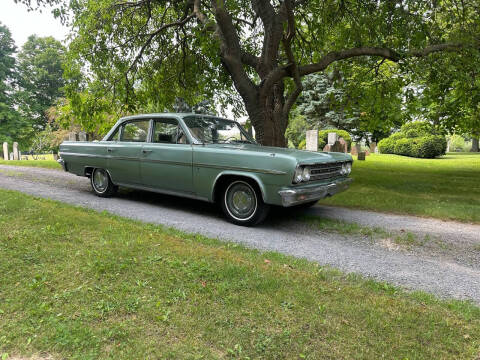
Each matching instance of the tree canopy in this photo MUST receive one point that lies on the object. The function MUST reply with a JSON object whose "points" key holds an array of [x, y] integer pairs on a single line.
{"points": [[40, 78], [11, 123], [161, 50]]}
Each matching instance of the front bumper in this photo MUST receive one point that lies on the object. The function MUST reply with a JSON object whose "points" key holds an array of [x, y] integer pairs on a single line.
{"points": [[300, 195]]}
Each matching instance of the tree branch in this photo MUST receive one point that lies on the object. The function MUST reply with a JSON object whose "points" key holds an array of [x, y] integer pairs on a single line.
{"points": [[231, 53]]}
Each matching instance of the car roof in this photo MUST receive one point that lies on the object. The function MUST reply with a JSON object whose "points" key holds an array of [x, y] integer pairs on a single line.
{"points": [[163, 115]]}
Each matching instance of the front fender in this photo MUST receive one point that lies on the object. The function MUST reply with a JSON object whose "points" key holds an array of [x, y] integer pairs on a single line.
{"points": [[249, 175]]}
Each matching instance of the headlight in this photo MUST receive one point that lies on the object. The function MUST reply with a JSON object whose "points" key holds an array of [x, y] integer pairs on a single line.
{"points": [[343, 170], [298, 177], [306, 173], [349, 168]]}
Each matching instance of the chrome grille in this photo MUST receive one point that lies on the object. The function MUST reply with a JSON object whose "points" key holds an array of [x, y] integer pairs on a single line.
{"points": [[325, 171]]}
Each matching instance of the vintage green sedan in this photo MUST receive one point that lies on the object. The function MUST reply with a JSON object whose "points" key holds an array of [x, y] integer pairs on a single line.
{"points": [[207, 158]]}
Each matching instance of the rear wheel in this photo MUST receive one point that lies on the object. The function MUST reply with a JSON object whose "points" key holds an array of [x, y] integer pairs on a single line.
{"points": [[242, 203], [102, 184]]}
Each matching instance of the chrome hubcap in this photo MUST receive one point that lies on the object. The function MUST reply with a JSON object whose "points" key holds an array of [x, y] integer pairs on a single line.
{"points": [[100, 180], [241, 201]]}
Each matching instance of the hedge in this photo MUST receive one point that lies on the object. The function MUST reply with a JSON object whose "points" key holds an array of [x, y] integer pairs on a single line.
{"points": [[417, 139], [323, 138]]}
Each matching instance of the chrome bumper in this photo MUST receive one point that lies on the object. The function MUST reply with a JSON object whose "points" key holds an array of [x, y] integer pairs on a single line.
{"points": [[295, 196], [62, 162]]}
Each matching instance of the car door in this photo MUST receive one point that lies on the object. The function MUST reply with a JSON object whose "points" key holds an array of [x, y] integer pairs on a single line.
{"points": [[125, 152], [167, 158]]}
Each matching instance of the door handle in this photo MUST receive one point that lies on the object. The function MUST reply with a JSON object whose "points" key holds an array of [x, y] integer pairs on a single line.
{"points": [[146, 151], [109, 150]]}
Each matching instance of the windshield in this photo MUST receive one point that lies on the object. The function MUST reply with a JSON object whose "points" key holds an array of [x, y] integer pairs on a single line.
{"points": [[212, 130]]}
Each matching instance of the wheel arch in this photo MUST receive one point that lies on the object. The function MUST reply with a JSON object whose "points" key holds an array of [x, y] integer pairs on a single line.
{"points": [[227, 176]]}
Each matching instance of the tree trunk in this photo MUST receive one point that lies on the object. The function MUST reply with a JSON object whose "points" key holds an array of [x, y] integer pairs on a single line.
{"points": [[475, 147], [269, 118]]}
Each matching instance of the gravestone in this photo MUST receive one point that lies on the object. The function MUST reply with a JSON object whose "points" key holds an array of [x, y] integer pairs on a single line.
{"points": [[373, 147], [5, 151], [72, 136], [344, 144], [337, 147], [361, 155], [82, 136], [356, 149], [11, 156], [312, 140], [15, 151], [332, 138]]}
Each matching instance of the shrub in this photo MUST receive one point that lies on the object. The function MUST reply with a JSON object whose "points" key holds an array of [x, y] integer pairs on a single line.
{"points": [[417, 139], [403, 147], [386, 146], [302, 145]]}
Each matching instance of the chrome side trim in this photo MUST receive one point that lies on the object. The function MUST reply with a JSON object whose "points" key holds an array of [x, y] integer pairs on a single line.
{"points": [[238, 168], [129, 158], [220, 167]]}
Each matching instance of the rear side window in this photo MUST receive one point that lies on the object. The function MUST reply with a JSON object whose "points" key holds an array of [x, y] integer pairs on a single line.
{"points": [[135, 131], [168, 131]]}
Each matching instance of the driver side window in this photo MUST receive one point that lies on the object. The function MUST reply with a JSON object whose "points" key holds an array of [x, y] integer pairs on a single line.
{"points": [[168, 131]]}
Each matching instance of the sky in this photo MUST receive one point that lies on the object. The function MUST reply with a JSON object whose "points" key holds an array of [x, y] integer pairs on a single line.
{"points": [[22, 23]]}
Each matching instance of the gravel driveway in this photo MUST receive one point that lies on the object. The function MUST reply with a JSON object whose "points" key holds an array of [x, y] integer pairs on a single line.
{"points": [[448, 265]]}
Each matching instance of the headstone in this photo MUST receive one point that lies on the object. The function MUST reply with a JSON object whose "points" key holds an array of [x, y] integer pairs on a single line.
{"points": [[15, 151], [361, 155], [337, 147], [344, 144], [5, 151], [11, 156], [373, 147], [72, 136], [312, 140], [82, 136], [332, 138], [356, 149]]}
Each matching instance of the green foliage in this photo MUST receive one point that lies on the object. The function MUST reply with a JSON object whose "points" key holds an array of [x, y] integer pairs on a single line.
{"points": [[40, 77], [48, 140], [12, 125], [458, 143], [415, 139], [322, 102]]}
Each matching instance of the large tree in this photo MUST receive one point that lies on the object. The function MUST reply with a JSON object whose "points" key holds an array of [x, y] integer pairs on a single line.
{"points": [[263, 48], [11, 123], [40, 78]]}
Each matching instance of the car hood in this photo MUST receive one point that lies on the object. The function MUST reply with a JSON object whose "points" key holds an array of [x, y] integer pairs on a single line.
{"points": [[302, 156]]}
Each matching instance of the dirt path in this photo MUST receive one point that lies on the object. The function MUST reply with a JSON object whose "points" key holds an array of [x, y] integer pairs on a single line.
{"points": [[443, 258]]}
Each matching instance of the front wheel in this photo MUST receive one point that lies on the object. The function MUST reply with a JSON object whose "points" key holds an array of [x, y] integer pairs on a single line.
{"points": [[242, 203], [102, 184]]}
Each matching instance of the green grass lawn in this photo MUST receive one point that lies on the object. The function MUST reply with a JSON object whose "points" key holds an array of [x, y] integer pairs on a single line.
{"points": [[49, 164], [81, 284], [445, 188]]}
